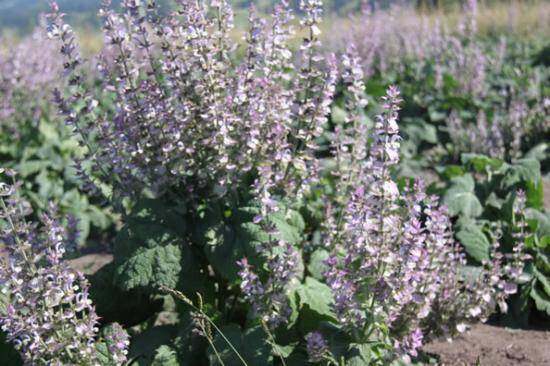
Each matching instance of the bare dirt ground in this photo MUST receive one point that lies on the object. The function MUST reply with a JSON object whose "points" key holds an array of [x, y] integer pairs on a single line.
{"points": [[90, 263], [489, 345]]}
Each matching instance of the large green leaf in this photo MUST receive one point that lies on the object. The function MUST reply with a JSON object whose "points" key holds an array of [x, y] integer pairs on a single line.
{"points": [[481, 163], [539, 221], [150, 250], [474, 241], [312, 301], [538, 152], [252, 345], [165, 356], [317, 264], [542, 300], [523, 170], [116, 305], [373, 353], [228, 240], [460, 198], [232, 236], [316, 296], [417, 131], [543, 280], [150, 267], [290, 225], [144, 346]]}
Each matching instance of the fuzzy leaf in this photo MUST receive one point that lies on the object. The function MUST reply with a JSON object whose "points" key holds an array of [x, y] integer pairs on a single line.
{"points": [[317, 264], [150, 267], [538, 152], [145, 346], [481, 163], [227, 240], [290, 225], [460, 198], [524, 170], [539, 221], [165, 356], [543, 280], [251, 344], [317, 296], [418, 131], [103, 354], [474, 241], [542, 300]]}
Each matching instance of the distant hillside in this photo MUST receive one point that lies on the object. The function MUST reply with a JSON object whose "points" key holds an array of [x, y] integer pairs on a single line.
{"points": [[22, 15]]}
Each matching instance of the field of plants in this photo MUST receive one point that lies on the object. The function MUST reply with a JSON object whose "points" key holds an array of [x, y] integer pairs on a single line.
{"points": [[202, 183]]}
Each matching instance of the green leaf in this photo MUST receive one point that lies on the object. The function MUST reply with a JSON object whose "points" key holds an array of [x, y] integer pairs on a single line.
{"points": [[150, 267], [283, 351], [418, 131], [494, 201], [436, 116], [524, 170], [539, 221], [251, 344], [475, 242], [481, 163], [150, 251], [165, 356], [538, 152], [145, 346], [103, 354], [542, 300], [338, 115], [450, 171], [49, 131], [290, 225], [29, 167], [317, 264], [225, 244], [229, 239], [543, 280], [116, 305], [316, 296], [461, 199], [534, 191], [313, 303], [367, 354], [147, 210]]}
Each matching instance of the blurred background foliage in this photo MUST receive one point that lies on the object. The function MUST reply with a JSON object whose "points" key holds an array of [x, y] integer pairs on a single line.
{"points": [[19, 17]]}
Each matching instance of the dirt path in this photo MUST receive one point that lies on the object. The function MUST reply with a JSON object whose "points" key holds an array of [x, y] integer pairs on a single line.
{"points": [[494, 346], [90, 263]]}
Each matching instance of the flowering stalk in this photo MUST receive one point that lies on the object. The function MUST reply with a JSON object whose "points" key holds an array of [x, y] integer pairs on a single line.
{"points": [[49, 317], [394, 260]]}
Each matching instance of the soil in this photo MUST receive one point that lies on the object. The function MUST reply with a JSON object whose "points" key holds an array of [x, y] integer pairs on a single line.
{"points": [[490, 345], [90, 263]]}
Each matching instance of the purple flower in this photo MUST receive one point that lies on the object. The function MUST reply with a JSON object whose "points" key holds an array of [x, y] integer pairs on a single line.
{"points": [[118, 341], [49, 316], [317, 347]]}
